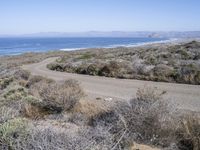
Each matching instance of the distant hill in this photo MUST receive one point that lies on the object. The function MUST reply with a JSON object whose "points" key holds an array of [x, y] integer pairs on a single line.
{"points": [[161, 34]]}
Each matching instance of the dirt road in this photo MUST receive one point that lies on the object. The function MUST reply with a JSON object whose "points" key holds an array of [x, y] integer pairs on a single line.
{"points": [[186, 96]]}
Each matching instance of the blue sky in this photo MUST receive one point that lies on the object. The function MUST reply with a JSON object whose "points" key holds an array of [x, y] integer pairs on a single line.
{"points": [[30, 16]]}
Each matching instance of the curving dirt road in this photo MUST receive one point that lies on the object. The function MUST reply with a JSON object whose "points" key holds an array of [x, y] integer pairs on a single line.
{"points": [[186, 96]]}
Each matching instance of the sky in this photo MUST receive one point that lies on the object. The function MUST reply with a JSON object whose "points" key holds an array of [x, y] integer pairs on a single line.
{"points": [[33, 16]]}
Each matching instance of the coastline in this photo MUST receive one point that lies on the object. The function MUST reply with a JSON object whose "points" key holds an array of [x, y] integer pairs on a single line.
{"points": [[123, 42], [124, 45], [171, 41], [161, 42]]}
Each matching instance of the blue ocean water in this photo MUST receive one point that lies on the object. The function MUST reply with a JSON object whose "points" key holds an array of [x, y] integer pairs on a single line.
{"points": [[15, 46]]}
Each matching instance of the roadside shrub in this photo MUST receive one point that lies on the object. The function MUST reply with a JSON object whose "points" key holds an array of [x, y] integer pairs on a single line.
{"points": [[86, 110], [82, 69], [72, 137], [197, 77], [188, 74], [145, 70], [33, 111], [57, 97], [56, 66], [110, 70], [146, 118], [188, 132], [142, 120], [93, 69], [69, 68], [105, 119], [163, 72], [92, 108], [36, 79], [22, 74], [105, 71], [146, 115]]}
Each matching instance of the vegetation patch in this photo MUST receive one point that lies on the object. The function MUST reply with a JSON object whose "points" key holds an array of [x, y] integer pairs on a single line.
{"points": [[167, 63], [5, 82], [57, 97], [39, 113]]}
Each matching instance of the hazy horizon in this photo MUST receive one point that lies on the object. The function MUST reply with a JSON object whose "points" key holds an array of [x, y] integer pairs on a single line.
{"points": [[112, 34], [100, 31]]}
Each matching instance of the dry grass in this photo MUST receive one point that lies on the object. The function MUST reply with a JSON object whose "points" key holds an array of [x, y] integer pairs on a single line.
{"points": [[22, 74], [148, 119], [57, 97], [188, 133], [36, 79], [33, 112], [92, 108], [11, 130]]}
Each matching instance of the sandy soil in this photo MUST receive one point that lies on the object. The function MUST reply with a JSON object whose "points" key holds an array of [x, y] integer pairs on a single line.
{"points": [[185, 96]]}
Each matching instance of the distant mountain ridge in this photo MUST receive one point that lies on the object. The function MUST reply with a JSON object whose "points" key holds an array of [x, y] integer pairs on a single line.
{"points": [[157, 34]]}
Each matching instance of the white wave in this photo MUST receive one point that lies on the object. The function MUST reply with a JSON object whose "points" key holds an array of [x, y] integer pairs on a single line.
{"points": [[123, 45], [142, 43], [72, 49]]}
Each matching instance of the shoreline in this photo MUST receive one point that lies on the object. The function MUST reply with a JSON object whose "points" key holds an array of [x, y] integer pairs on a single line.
{"points": [[161, 41], [171, 41], [142, 44], [123, 45]]}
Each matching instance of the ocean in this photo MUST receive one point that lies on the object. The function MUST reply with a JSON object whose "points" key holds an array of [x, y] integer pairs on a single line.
{"points": [[16, 46]]}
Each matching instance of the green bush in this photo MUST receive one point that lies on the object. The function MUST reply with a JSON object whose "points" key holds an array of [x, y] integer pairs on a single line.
{"points": [[16, 93], [93, 69], [111, 69], [86, 56], [163, 72], [56, 66], [5, 82], [12, 130], [184, 54], [188, 74]]}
